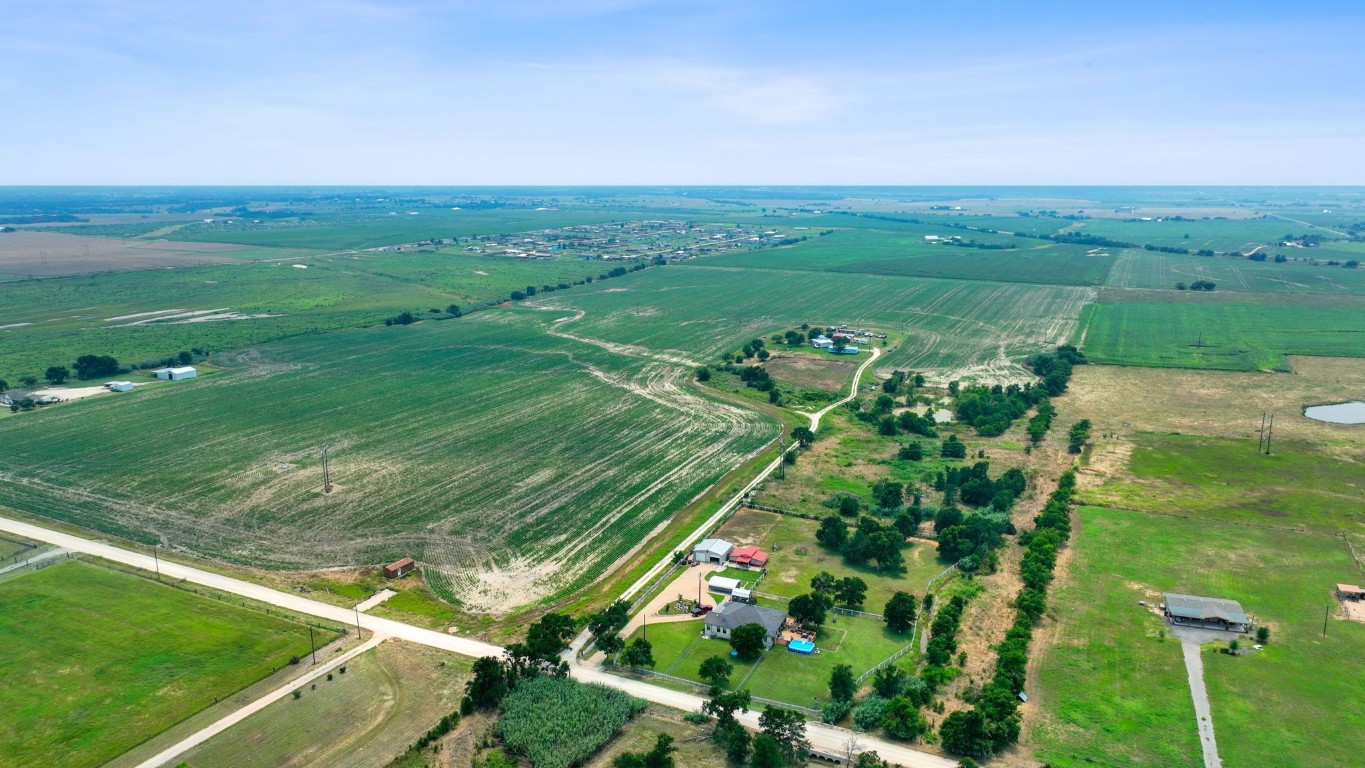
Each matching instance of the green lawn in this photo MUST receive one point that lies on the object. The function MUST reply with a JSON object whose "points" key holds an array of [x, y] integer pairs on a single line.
{"points": [[96, 661], [1112, 687], [1219, 334], [679, 650], [1299, 484]]}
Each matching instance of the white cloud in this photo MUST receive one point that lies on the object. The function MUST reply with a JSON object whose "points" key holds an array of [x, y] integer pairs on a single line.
{"points": [[752, 97]]}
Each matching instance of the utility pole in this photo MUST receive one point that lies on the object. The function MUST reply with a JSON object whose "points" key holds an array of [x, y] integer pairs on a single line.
{"points": [[312, 644], [782, 457], [1269, 431], [644, 625], [157, 561], [326, 478], [1326, 612], [1260, 436], [357, 623]]}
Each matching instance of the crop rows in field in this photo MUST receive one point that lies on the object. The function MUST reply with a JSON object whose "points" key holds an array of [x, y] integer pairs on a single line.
{"points": [[1240, 336], [512, 464], [906, 253], [54, 321], [1153, 269], [1215, 234], [956, 328]]}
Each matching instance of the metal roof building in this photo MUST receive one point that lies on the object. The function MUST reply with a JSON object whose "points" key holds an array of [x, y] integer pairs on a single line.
{"points": [[1206, 611], [712, 551]]}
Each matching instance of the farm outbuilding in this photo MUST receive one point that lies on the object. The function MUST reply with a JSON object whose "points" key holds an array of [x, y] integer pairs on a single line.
{"points": [[844, 351], [713, 551], [399, 568], [119, 386], [820, 342], [176, 374], [1206, 612], [749, 556], [723, 585], [1350, 592], [719, 624]]}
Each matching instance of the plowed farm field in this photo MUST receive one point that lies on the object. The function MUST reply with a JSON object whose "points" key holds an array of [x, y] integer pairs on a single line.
{"points": [[514, 465]]}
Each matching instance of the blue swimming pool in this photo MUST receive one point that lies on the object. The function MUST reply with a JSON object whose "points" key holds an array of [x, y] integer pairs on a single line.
{"points": [[801, 646]]}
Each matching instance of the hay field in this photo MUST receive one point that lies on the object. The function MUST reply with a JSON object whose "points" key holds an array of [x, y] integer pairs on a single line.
{"points": [[514, 465], [1153, 269], [955, 328], [32, 253]]}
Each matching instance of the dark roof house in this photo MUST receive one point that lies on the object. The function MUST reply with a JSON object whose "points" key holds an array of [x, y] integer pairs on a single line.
{"points": [[718, 624], [1206, 611]]}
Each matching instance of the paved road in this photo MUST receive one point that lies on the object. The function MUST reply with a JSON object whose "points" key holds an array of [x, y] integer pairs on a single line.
{"points": [[823, 737], [208, 732], [667, 560], [1194, 668]]}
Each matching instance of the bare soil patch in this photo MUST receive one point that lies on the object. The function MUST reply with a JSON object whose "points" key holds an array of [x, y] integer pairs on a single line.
{"points": [[813, 372], [47, 254]]}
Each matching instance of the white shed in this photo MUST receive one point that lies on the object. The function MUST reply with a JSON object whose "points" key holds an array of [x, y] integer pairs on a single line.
{"points": [[176, 374], [714, 551], [120, 386], [722, 584]]}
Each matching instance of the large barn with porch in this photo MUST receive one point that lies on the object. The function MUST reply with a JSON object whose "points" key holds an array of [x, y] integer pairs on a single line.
{"points": [[1205, 612]]}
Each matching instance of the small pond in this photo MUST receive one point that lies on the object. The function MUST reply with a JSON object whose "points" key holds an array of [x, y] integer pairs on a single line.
{"points": [[1340, 413]]}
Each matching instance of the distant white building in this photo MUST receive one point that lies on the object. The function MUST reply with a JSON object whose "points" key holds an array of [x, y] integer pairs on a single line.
{"points": [[176, 374], [820, 342], [119, 386]]}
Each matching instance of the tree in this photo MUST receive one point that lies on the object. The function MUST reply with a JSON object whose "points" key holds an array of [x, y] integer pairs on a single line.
{"points": [[851, 592], [764, 354], [965, 733], [901, 719], [703, 374], [900, 612], [804, 436], [4, 385], [640, 654], [549, 636], [1263, 635], [57, 374], [185, 358], [824, 582], [833, 533], [887, 681], [870, 760], [489, 683], [716, 671], [749, 641], [807, 610], [767, 754], [1079, 435], [724, 705], [788, 728], [454, 309], [911, 451], [887, 494], [95, 366], [661, 756], [735, 740], [605, 624], [841, 683], [953, 448]]}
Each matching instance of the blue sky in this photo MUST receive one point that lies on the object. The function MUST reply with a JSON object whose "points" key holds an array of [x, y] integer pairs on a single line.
{"points": [[636, 92]]}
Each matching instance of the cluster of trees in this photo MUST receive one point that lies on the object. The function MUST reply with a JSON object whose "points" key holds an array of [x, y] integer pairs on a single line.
{"points": [[753, 348], [1078, 436], [970, 540], [1041, 422], [902, 381], [782, 736], [943, 642], [538, 655], [953, 448], [993, 723], [184, 357], [1197, 285], [404, 318], [871, 542], [974, 486], [661, 756]]}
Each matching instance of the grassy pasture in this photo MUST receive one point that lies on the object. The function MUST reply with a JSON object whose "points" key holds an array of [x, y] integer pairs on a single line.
{"points": [[1301, 484], [1112, 689], [881, 252], [386, 699], [514, 465], [640, 735], [1152, 269], [1234, 335], [954, 328], [96, 661]]}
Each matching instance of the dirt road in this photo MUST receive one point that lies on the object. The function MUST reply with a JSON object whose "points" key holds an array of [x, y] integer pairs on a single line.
{"points": [[821, 736]]}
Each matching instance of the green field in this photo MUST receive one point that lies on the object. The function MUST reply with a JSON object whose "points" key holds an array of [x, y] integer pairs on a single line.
{"points": [[880, 252], [954, 328], [96, 661], [514, 465], [1112, 687], [1300, 484], [1214, 234], [387, 698], [1153, 269], [55, 320], [1217, 334]]}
